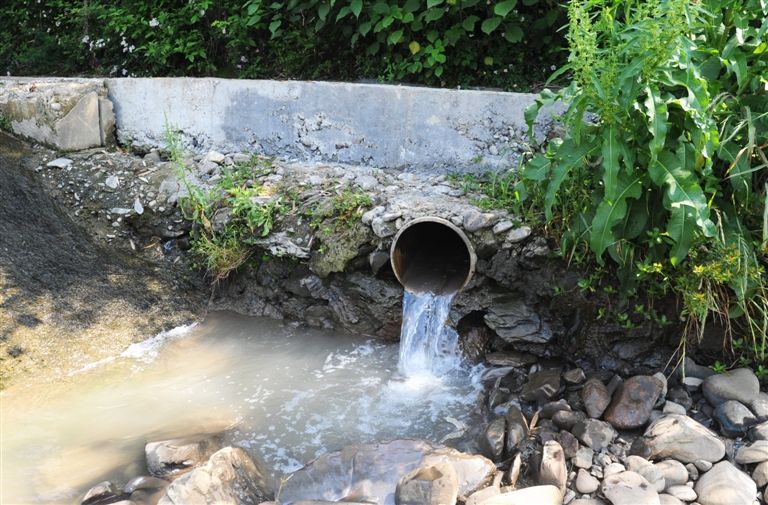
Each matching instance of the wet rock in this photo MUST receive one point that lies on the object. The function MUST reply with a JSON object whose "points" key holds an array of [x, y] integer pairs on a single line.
{"points": [[682, 493], [517, 428], [540, 495], [493, 439], [594, 434], [682, 438], [595, 397], [674, 472], [144, 482], [374, 470], [629, 488], [583, 458], [574, 376], [510, 358], [431, 485], [632, 404], [724, 484], [757, 452], [549, 409], [515, 322], [377, 260], [541, 386], [229, 477], [585, 483], [734, 418], [167, 458], [760, 474], [101, 491], [740, 385], [759, 432], [552, 469]]}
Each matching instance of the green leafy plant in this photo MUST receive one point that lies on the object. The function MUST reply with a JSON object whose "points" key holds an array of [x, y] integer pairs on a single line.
{"points": [[662, 169]]}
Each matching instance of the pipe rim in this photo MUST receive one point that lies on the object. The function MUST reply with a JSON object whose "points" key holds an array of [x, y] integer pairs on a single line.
{"points": [[435, 219]]}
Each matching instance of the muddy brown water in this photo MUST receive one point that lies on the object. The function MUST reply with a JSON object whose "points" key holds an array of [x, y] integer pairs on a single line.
{"points": [[285, 394]]}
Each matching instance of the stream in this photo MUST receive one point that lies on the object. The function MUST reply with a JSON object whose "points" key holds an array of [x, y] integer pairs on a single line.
{"points": [[284, 393]]}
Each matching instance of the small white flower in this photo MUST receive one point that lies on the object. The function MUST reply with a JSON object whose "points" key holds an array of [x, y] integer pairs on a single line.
{"points": [[243, 59], [154, 23], [85, 39], [553, 67], [131, 48], [125, 71]]}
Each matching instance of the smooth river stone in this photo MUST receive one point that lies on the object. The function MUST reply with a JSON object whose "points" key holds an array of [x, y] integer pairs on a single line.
{"points": [[681, 438], [633, 402], [724, 484], [734, 418], [629, 488], [755, 453], [539, 495], [675, 473], [430, 485], [594, 434], [740, 385], [595, 396]]}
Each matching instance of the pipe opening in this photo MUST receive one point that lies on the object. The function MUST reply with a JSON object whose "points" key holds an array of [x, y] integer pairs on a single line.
{"points": [[430, 254]]}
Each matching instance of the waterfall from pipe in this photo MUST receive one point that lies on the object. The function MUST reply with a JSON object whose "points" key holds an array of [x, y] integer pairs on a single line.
{"points": [[428, 346]]}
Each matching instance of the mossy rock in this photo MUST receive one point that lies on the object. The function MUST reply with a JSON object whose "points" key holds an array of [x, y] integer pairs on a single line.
{"points": [[339, 247]]}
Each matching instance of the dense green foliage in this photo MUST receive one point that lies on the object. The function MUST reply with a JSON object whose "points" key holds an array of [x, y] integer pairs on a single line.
{"points": [[438, 42], [662, 169]]}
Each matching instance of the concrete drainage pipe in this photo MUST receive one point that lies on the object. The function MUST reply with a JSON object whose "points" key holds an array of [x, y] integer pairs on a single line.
{"points": [[430, 254]]}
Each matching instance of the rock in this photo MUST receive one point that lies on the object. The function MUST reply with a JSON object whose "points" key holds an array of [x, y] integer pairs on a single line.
{"points": [[383, 229], [138, 207], [502, 226], [740, 384], [366, 182], [474, 220], [539, 495], [144, 482], [613, 469], [587, 501], [668, 499], [757, 452], [595, 397], [99, 492], [759, 406], [518, 234], [517, 428], [692, 369], [585, 483], [594, 434], [172, 457], [692, 383], [552, 470], [583, 458], [549, 409], [514, 322], [574, 376], [377, 260], [759, 432], [682, 493], [569, 443], [734, 418], [673, 408], [371, 472], [681, 438], [112, 182], [482, 495], [632, 403], [493, 439], [680, 396], [674, 472], [724, 484], [59, 163], [629, 488], [566, 420], [702, 466], [542, 386], [510, 358], [430, 485], [760, 474], [214, 157], [654, 475], [229, 477]]}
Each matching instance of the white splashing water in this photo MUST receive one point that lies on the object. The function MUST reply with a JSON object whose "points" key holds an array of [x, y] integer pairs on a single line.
{"points": [[428, 346]]}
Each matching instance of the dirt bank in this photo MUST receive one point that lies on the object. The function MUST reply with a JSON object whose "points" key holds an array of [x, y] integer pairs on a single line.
{"points": [[65, 300]]}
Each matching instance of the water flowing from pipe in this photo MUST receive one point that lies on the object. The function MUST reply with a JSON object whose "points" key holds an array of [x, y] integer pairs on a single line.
{"points": [[428, 346]]}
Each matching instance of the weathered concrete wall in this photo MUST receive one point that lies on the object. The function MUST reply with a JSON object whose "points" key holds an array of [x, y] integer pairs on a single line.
{"points": [[376, 125], [66, 114]]}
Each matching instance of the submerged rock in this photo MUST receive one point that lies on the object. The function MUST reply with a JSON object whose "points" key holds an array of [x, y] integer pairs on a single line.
{"points": [[230, 477], [371, 472], [172, 457], [429, 485]]}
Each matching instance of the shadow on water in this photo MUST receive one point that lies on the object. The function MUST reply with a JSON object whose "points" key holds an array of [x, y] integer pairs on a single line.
{"points": [[61, 293]]}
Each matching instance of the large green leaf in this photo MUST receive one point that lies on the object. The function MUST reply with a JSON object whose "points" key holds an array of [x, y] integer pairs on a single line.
{"points": [[609, 213], [657, 113], [682, 227], [611, 151], [569, 156]]}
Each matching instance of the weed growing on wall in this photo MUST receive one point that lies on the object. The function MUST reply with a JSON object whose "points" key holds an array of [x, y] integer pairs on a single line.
{"points": [[662, 170]]}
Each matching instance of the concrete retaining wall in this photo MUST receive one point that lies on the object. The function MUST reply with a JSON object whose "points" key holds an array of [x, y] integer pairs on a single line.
{"points": [[377, 125]]}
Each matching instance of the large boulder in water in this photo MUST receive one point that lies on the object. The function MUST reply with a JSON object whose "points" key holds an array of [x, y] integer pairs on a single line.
{"points": [[371, 472]]}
